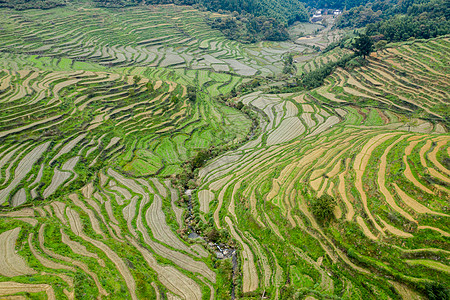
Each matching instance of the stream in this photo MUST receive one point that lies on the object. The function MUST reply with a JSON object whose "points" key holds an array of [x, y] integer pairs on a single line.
{"points": [[222, 251]]}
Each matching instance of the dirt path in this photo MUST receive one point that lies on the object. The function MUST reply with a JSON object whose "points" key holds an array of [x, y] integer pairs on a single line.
{"points": [[11, 263]]}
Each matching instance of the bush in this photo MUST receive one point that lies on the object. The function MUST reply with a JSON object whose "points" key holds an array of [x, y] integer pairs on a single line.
{"points": [[213, 235], [435, 291], [323, 208], [192, 93], [200, 159]]}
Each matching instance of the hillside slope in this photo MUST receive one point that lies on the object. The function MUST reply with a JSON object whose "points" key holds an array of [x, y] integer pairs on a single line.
{"points": [[132, 166]]}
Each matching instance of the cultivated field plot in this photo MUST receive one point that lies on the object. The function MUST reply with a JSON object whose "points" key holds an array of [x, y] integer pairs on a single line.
{"points": [[391, 186], [164, 36], [97, 116], [143, 117], [103, 239], [317, 35], [388, 173], [305, 64], [412, 78], [79, 142], [111, 236]]}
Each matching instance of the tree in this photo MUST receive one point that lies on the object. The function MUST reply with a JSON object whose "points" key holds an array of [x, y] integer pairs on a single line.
{"points": [[363, 45], [192, 93], [136, 79], [435, 290], [323, 208], [200, 159], [213, 235]]}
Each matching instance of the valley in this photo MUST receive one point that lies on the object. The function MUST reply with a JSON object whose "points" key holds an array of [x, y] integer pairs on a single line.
{"points": [[123, 131]]}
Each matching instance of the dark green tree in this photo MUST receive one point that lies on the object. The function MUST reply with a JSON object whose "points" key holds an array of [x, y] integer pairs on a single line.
{"points": [[200, 159], [435, 291], [192, 93], [323, 208], [363, 45]]}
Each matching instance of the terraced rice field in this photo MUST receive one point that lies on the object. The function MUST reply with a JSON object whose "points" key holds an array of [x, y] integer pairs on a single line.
{"points": [[93, 239], [159, 36], [412, 79], [95, 123], [390, 201], [83, 134], [382, 168]]}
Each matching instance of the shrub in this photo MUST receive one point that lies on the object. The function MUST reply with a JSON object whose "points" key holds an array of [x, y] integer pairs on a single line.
{"points": [[323, 208], [435, 291]]}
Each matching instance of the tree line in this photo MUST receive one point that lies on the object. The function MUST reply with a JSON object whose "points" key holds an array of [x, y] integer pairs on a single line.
{"points": [[247, 21], [400, 20], [31, 4], [249, 28]]}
